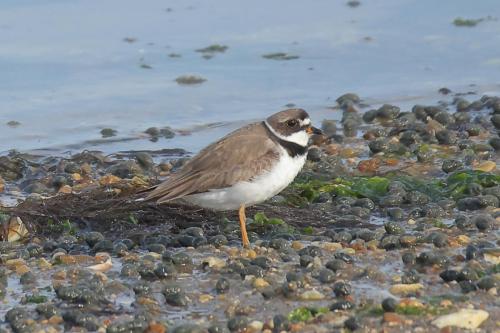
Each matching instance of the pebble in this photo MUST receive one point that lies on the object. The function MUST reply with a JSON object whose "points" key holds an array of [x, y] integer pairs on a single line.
{"points": [[389, 304], [222, 286], [464, 318], [311, 295], [405, 289], [486, 166], [392, 318], [260, 283]]}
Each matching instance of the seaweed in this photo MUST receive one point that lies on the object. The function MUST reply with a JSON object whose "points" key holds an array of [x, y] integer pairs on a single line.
{"points": [[305, 313]]}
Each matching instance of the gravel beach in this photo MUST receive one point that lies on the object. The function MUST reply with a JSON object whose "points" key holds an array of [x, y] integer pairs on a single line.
{"points": [[393, 225]]}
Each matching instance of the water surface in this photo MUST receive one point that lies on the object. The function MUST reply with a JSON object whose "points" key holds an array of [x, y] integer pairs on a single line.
{"points": [[67, 71]]}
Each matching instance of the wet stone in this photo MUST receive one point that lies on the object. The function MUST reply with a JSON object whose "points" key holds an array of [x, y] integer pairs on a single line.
{"points": [[370, 115], [378, 145], [467, 274], [263, 262], [93, 237], [409, 258], [472, 252], [444, 118], [416, 198], [329, 127], [395, 213], [446, 137], [336, 265], [314, 154], [467, 286], [326, 276], [366, 235], [133, 326], [77, 294], [388, 111], [105, 245], [295, 277], [410, 277], [439, 239], [389, 304], [393, 228], [216, 328], [464, 223], [348, 97], [218, 240], [34, 250], [469, 203], [407, 240], [352, 324], [145, 160], [156, 248], [311, 250], [451, 165], [495, 143], [253, 270], [488, 282], [281, 323], [78, 318], [342, 306], [126, 169], [238, 324], [279, 244], [461, 117], [342, 289], [174, 295], [16, 315], [181, 259], [391, 200], [482, 221], [222, 285], [47, 310], [120, 249], [165, 271], [146, 269], [347, 258], [495, 120], [390, 242], [142, 288], [449, 275], [28, 278]]}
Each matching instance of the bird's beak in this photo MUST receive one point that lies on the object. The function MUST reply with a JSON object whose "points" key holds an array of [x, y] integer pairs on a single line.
{"points": [[313, 130]]}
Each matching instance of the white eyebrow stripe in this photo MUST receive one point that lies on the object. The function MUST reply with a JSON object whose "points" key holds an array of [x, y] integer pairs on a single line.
{"points": [[305, 122], [301, 138]]}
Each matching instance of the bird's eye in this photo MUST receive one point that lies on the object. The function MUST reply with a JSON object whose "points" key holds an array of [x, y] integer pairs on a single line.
{"points": [[291, 123]]}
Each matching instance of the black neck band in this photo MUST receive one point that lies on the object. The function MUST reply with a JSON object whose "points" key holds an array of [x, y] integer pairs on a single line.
{"points": [[293, 149]]}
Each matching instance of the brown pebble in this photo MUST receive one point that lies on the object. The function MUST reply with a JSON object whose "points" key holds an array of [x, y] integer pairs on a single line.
{"points": [[392, 318], [109, 179], [156, 328], [65, 189], [370, 165], [55, 320]]}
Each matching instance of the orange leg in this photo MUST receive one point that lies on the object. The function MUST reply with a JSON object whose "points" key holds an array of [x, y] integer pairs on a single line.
{"points": [[243, 227]]}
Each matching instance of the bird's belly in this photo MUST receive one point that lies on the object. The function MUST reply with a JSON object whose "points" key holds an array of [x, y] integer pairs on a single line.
{"points": [[252, 192]]}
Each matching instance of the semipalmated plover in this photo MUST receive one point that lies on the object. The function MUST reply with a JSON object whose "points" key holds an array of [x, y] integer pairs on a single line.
{"points": [[246, 167]]}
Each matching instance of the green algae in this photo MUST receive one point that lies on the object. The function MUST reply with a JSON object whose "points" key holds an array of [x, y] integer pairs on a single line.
{"points": [[454, 186], [305, 313]]}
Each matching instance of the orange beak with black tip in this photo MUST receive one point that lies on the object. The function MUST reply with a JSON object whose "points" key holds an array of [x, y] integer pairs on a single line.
{"points": [[313, 130]]}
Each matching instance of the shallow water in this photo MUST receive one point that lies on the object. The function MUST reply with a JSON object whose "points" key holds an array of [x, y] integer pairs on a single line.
{"points": [[67, 71]]}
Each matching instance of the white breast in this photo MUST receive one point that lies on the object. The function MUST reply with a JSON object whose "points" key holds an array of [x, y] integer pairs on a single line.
{"points": [[258, 190]]}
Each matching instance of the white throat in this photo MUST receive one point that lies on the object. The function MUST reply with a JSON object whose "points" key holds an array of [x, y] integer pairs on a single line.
{"points": [[301, 138]]}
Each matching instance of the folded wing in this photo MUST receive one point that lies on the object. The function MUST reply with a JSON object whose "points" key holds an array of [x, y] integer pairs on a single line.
{"points": [[240, 156]]}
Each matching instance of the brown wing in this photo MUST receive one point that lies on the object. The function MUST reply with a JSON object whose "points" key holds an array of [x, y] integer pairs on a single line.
{"points": [[239, 156]]}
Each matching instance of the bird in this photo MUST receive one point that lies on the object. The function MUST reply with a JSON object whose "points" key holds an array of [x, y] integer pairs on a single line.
{"points": [[244, 168]]}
